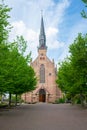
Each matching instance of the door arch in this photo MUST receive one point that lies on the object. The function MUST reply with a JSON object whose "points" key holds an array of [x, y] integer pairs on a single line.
{"points": [[42, 95]]}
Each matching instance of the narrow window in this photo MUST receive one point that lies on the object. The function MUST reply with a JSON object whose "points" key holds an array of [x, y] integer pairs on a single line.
{"points": [[42, 74]]}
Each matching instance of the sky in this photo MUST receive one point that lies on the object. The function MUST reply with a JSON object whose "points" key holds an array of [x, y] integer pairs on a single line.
{"points": [[62, 22]]}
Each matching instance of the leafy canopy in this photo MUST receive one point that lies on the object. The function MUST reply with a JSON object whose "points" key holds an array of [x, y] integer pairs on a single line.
{"points": [[84, 12], [72, 73]]}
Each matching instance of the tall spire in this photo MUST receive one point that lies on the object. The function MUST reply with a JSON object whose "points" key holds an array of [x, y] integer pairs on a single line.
{"points": [[42, 36]]}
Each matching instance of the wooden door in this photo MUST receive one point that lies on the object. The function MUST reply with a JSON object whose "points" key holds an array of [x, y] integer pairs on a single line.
{"points": [[42, 95], [42, 98]]}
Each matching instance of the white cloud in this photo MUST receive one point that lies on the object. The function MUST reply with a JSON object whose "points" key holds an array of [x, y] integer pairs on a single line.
{"points": [[77, 28], [29, 24], [51, 31], [19, 28], [56, 12], [32, 36], [52, 42]]}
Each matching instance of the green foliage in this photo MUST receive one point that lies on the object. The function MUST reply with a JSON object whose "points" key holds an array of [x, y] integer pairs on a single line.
{"points": [[20, 44], [3, 68], [16, 75], [76, 99], [72, 73], [60, 100], [84, 13], [65, 77], [4, 23], [13, 97], [78, 59], [68, 96]]}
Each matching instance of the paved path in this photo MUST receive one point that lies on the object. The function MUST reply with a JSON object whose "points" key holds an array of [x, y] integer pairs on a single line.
{"points": [[44, 117]]}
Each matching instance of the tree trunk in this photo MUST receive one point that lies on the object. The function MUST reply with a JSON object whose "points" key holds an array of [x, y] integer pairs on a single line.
{"points": [[9, 99], [16, 100], [25, 97], [1, 98], [20, 100], [82, 99]]}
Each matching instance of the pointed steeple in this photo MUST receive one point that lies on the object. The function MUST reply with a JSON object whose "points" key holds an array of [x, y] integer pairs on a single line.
{"points": [[42, 36]]}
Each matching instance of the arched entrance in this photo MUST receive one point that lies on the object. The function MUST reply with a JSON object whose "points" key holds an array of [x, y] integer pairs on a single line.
{"points": [[42, 95]]}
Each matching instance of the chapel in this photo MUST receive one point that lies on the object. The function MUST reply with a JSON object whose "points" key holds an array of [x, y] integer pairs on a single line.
{"points": [[46, 72]]}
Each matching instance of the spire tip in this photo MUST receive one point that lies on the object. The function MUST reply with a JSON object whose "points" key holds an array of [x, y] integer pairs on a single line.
{"points": [[41, 12]]}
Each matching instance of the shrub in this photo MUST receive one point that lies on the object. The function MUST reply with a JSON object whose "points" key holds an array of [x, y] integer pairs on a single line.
{"points": [[60, 100]]}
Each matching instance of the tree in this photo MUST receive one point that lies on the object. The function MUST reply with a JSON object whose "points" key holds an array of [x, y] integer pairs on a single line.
{"points": [[72, 74], [4, 32], [4, 23], [20, 77], [65, 78], [4, 52], [16, 74], [84, 13], [21, 45], [78, 59]]}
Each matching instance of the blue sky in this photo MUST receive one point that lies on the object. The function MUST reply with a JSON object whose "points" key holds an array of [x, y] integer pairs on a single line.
{"points": [[62, 20]]}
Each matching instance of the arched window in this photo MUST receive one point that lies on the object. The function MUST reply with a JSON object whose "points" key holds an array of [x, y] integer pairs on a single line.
{"points": [[42, 74]]}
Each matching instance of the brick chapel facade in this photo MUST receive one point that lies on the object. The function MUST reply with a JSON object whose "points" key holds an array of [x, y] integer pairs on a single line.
{"points": [[46, 88]]}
